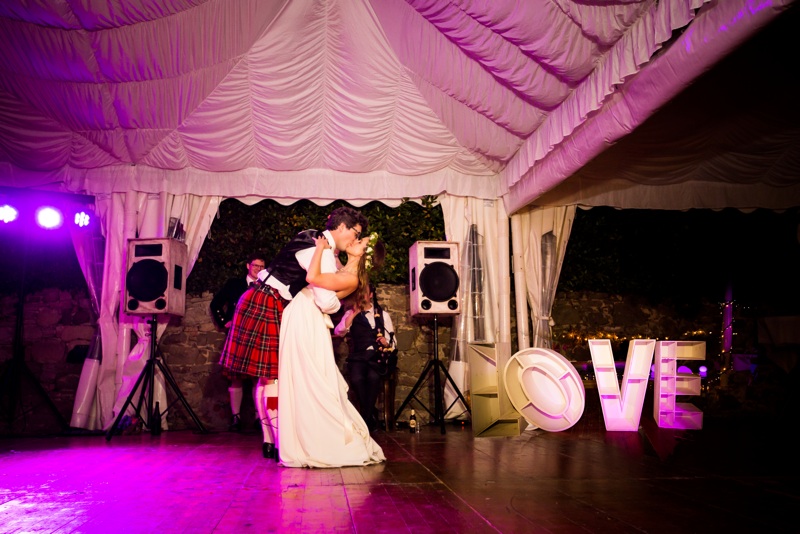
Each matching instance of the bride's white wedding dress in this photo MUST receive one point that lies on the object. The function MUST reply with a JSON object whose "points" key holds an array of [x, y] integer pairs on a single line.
{"points": [[317, 424]]}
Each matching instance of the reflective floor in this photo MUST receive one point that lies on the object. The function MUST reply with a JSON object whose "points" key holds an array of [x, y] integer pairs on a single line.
{"points": [[735, 475]]}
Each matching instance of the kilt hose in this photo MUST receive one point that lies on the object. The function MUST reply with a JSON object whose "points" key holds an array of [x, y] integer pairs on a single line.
{"points": [[251, 347]]}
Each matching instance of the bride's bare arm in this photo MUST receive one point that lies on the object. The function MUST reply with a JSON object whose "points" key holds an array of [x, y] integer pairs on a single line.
{"points": [[342, 293], [343, 283]]}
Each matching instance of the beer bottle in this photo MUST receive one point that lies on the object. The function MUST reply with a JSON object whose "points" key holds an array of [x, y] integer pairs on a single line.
{"points": [[155, 421], [412, 423]]}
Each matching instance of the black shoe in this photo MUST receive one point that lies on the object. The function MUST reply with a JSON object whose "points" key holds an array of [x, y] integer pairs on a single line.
{"points": [[276, 456], [268, 450], [236, 424]]}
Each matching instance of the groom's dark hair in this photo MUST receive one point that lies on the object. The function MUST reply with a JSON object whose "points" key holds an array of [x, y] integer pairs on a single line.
{"points": [[349, 216]]}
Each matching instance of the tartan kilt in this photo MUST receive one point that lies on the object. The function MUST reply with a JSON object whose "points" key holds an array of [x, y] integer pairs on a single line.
{"points": [[231, 375], [251, 347]]}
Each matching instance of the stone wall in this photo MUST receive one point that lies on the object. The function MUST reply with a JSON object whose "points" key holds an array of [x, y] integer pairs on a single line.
{"points": [[58, 324], [191, 347], [57, 328]]}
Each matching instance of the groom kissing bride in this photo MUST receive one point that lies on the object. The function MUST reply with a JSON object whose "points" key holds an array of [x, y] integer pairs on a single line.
{"points": [[279, 334]]}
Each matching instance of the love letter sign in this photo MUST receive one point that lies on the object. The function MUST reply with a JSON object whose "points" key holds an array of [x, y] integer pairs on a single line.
{"points": [[547, 390]]}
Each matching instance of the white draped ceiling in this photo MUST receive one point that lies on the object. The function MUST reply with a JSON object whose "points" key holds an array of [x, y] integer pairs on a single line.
{"points": [[353, 99]]}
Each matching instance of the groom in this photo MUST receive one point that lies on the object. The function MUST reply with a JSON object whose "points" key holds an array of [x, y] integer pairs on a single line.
{"points": [[252, 343]]}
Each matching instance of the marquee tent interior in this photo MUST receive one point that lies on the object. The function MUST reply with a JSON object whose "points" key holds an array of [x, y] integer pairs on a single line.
{"points": [[163, 109], [355, 99]]}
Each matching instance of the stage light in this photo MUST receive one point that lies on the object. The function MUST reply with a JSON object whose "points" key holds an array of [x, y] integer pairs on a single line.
{"points": [[82, 219], [8, 213], [49, 218], [48, 210]]}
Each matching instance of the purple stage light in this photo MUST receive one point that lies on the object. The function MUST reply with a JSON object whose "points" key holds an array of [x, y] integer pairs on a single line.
{"points": [[49, 218], [82, 219], [703, 371], [8, 213], [47, 209]]}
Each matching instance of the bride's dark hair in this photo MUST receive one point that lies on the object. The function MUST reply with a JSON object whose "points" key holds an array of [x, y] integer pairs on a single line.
{"points": [[376, 260]]}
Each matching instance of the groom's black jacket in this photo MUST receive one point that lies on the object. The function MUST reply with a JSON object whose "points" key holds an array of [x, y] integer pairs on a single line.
{"points": [[284, 266]]}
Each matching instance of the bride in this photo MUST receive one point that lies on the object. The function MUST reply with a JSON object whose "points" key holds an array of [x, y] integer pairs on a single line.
{"points": [[317, 424]]}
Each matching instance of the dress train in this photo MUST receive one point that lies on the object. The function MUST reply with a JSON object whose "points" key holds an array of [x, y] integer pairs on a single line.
{"points": [[317, 424]]}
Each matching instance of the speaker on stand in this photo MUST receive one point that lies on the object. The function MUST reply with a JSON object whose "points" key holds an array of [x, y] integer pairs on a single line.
{"points": [[155, 283], [434, 290], [433, 278]]}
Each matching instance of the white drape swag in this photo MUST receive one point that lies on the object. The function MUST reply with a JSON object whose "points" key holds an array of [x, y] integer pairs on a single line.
{"points": [[540, 243], [372, 99], [491, 221], [90, 252], [459, 214]]}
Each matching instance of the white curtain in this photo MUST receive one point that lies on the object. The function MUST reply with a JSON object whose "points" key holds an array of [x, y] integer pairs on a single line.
{"points": [[126, 216], [540, 242], [90, 251], [486, 219]]}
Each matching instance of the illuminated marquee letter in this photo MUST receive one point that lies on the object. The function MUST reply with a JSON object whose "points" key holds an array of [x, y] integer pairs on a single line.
{"points": [[669, 384], [545, 388], [622, 411]]}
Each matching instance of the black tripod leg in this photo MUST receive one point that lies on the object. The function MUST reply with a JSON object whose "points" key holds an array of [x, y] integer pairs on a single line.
{"points": [[413, 393], [10, 387], [14, 374], [146, 397], [458, 392], [147, 371], [44, 395], [438, 395], [174, 385]]}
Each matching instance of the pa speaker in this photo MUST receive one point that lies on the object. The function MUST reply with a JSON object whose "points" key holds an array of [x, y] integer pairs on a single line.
{"points": [[155, 282], [434, 280]]}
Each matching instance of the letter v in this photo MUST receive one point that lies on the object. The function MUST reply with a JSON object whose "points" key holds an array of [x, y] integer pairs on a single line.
{"points": [[622, 411]]}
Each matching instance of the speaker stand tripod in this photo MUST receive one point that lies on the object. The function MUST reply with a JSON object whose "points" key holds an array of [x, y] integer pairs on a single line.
{"points": [[147, 381], [17, 370], [12, 379], [436, 366]]}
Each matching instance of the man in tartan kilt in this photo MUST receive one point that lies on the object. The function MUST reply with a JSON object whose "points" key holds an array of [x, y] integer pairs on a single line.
{"points": [[222, 306], [251, 346]]}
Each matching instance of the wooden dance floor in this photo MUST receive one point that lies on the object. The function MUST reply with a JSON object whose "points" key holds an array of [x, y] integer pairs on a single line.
{"points": [[728, 477]]}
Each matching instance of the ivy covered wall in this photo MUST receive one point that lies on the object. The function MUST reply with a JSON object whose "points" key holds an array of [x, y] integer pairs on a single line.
{"points": [[265, 227]]}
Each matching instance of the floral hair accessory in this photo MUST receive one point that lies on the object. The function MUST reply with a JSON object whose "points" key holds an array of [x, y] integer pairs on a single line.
{"points": [[373, 240]]}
